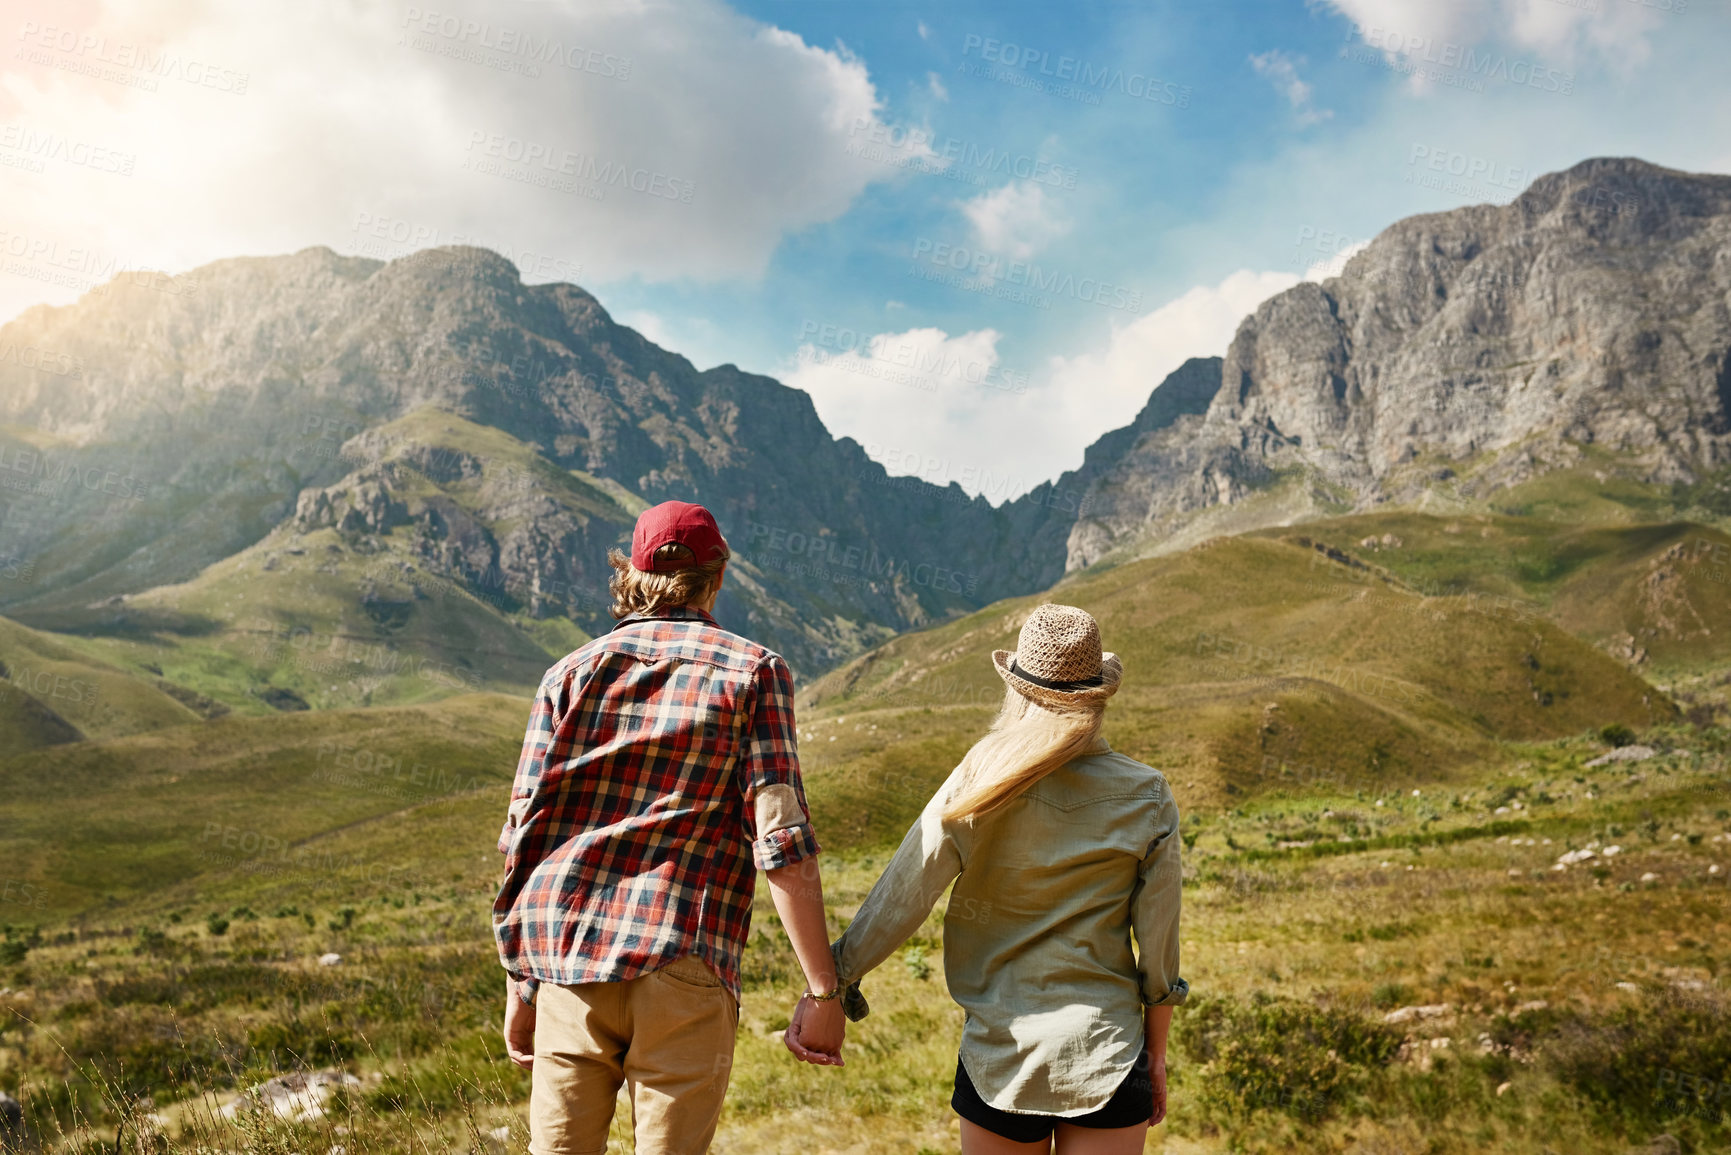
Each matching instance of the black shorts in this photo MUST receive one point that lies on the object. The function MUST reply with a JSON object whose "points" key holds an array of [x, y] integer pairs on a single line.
{"points": [[1130, 1104]]}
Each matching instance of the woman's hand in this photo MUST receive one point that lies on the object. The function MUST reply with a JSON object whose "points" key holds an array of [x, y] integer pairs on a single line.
{"points": [[1157, 1075], [815, 1035]]}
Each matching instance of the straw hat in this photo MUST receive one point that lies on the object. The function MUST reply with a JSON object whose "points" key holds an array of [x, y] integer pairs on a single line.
{"points": [[1058, 661]]}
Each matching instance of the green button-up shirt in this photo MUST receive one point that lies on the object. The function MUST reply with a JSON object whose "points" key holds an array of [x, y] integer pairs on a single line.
{"points": [[1037, 934]]}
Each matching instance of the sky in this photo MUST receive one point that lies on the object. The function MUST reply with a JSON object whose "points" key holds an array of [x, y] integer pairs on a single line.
{"points": [[978, 234]]}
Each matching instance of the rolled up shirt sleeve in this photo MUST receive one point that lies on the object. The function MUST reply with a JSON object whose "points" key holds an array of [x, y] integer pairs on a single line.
{"points": [[1154, 907], [777, 819]]}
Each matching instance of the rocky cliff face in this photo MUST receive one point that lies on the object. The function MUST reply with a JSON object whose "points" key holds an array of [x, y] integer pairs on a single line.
{"points": [[1592, 310], [232, 396], [156, 427]]}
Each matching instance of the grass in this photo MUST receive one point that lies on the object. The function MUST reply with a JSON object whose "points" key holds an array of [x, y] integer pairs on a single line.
{"points": [[1378, 772], [1284, 950]]}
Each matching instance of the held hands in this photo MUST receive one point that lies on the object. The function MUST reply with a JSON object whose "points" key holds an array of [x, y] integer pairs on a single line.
{"points": [[816, 1032]]}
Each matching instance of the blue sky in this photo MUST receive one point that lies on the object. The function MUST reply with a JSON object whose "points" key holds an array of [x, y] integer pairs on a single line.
{"points": [[882, 206]]}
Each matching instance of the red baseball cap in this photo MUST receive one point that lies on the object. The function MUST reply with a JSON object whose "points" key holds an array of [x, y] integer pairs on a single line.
{"points": [[675, 521]]}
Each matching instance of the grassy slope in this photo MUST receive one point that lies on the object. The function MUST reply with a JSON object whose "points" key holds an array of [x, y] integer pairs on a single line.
{"points": [[340, 624], [246, 795], [1378, 691], [1368, 683], [1661, 589], [53, 692]]}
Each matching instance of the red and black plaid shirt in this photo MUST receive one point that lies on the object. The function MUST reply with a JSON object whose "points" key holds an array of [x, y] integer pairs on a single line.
{"points": [[659, 765]]}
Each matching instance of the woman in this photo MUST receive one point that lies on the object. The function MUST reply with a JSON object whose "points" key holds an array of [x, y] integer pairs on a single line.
{"points": [[1059, 849]]}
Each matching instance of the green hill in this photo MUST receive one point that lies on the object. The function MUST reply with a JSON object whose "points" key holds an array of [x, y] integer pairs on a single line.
{"points": [[1250, 665], [51, 692], [336, 608], [1652, 593], [247, 797]]}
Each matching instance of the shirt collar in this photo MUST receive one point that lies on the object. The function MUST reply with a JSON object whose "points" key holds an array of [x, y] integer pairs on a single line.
{"points": [[675, 613]]}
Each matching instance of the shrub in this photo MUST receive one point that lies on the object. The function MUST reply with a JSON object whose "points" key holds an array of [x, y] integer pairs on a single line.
{"points": [[299, 1044], [1282, 1055], [1617, 734], [1387, 995], [17, 943], [151, 941], [216, 924], [917, 964], [1649, 1063]]}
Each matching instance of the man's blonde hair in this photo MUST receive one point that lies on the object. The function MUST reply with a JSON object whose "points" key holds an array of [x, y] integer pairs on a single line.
{"points": [[637, 592]]}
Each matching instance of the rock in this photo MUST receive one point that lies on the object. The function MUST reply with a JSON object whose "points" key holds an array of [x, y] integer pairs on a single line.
{"points": [[1337, 386], [1628, 988], [330, 960], [1418, 1013], [299, 1097], [1659, 1145], [1574, 856], [1624, 754], [1649, 877], [11, 1115], [1502, 1088]]}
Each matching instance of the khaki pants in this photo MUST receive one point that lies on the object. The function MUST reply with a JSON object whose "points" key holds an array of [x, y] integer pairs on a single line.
{"points": [[669, 1034]]}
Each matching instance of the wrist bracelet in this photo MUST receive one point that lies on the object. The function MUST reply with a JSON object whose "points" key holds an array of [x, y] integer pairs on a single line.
{"points": [[833, 995]]}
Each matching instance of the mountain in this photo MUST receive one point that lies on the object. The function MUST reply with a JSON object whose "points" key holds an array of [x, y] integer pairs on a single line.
{"points": [[500, 436], [154, 429], [1460, 353]]}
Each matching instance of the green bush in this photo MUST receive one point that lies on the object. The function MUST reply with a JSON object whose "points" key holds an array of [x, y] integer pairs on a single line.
{"points": [[293, 1044], [16, 943], [1281, 1055], [1389, 995], [216, 924], [1661, 1060], [1617, 734]]}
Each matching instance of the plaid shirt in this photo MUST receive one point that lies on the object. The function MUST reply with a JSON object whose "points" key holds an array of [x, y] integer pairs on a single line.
{"points": [[659, 766]]}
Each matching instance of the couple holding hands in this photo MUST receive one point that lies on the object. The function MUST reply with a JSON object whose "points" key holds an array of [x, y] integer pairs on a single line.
{"points": [[660, 772]]}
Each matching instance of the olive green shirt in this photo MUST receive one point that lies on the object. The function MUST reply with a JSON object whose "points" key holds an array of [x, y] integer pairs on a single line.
{"points": [[1037, 934]]}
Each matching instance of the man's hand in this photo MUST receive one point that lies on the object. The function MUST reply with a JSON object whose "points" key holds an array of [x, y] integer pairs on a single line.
{"points": [[816, 1033], [1157, 1073], [519, 1027]]}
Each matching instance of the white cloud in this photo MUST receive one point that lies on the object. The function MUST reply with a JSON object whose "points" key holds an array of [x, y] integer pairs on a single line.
{"points": [[1282, 71], [925, 33], [356, 125], [1016, 220], [1333, 265], [925, 403], [1105, 390], [945, 408], [1616, 30], [936, 85]]}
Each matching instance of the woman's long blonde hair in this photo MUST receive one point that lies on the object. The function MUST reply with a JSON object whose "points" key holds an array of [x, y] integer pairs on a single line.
{"points": [[1026, 742]]}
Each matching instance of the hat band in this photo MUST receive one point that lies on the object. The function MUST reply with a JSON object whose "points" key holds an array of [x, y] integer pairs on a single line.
{"points": [[1048, 684]]}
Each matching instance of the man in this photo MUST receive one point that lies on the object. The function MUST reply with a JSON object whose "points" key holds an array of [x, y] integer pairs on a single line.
{"points": [[658, 774]]}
